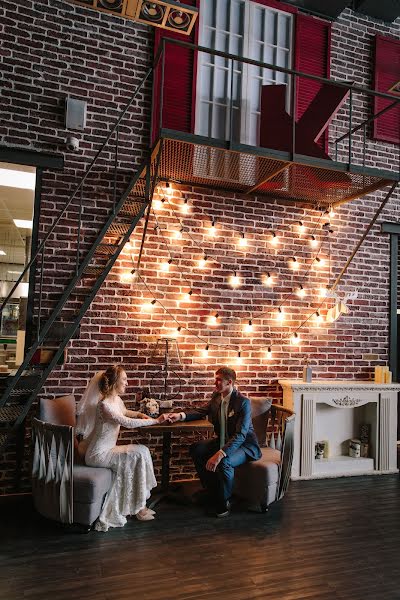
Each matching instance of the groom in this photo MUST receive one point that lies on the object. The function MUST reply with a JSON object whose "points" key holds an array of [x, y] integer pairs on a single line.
{"points": [[236, 442]]}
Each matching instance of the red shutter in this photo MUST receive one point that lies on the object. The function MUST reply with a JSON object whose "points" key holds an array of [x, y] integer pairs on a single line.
{"points": [[387, 73], [312, 55], [179, 89]]}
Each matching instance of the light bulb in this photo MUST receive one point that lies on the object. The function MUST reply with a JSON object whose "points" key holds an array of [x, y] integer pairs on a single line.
{"points": [[234, 280], [318, 317], [128, 246], [239, 358], [168, 189], [213, 320], [178, 331], [331, 212], [242, 241], [188, 296], [313, 242], [205, 352], [323, 291], [280, 315], [126, 277], [133, 274], [294, 263], [185, 207], [165, 265], [178, 234], [320, 261], [202, 262], [268, 280], [157, 204], [268, 353], [212, 231], [148, 306], [301, 227], [248, 328], [301, 292], [274, 239], [295, 339]]}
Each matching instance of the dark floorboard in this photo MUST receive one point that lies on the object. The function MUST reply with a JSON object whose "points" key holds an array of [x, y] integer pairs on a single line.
{"points": [[335, 539]]}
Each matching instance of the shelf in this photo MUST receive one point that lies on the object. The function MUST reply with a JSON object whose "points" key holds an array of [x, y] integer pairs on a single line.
{"points": [[342, 465]]}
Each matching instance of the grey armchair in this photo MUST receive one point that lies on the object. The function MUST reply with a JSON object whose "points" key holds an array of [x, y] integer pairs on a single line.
{"points": [[64, 490], [266, 480]]}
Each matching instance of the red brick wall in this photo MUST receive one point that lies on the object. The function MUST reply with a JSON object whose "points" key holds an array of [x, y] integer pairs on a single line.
{"points": [[94, 57]]}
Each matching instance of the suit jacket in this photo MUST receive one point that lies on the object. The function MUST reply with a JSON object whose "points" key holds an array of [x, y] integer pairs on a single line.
{"points": [[240, 432]]}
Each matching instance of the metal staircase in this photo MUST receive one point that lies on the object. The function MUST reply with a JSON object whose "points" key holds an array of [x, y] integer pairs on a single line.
{"points": [[73, 302]]}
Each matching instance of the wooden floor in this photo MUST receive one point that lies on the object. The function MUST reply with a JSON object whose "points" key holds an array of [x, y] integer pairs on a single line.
{"points": [[327, 540]]}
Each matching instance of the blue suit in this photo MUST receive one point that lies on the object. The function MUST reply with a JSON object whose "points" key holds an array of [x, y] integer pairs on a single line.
{"points": [[241, 444]]}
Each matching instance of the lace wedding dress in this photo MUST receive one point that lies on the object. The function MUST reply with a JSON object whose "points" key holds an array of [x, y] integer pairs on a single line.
{"points": [[132, 464]]}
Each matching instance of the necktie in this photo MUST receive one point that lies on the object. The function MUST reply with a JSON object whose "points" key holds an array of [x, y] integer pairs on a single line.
{"points": [[222, 421]]}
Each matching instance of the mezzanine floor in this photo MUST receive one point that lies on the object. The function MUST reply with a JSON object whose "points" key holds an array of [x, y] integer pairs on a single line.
{"points": [[327, 540]]}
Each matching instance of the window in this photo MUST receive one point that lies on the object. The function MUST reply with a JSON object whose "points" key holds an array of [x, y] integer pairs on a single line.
{"points": [[247, 29]]}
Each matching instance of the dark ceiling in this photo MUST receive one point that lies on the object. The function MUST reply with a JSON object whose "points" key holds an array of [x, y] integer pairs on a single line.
{"points": [[385, 10]]}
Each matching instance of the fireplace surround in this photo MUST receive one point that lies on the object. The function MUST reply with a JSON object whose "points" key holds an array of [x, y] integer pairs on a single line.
{"points": [[333, 411]]}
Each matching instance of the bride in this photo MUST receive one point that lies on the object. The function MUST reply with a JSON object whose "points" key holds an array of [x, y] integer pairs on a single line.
{"points": [[100, 414]]}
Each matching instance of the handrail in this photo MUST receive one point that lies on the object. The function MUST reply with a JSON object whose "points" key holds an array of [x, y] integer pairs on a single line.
{"points": [[78, 187], [258, 63], [365, 122]]}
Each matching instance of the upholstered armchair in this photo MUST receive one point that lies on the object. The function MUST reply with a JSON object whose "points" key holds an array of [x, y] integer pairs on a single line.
{"points": [[64, 490], [266, 480]]}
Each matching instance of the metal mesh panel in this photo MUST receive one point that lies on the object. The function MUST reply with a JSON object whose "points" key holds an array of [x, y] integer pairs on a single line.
{"points": [[188, 162]]}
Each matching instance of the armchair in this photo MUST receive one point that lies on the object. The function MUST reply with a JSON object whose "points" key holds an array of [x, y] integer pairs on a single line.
{"points": [[266, 480], [64, 490]]}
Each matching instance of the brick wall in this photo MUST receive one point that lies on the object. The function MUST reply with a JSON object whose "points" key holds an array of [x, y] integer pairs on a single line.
{"points": [[95, 57]]}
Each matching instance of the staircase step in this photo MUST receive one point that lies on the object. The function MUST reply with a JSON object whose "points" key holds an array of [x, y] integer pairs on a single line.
{"points": [[131, 208], [9, 414], [117, 229], [106, 249], [93, 271]]}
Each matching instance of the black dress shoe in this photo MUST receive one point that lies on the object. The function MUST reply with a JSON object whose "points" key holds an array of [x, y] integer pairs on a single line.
{"points": [[223, 510]]}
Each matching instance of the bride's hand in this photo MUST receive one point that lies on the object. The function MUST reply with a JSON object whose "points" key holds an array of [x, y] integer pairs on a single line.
{"points": [[142, 416]]}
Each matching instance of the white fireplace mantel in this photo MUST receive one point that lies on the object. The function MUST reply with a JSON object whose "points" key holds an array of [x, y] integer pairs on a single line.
{"points": [[332, 410]]}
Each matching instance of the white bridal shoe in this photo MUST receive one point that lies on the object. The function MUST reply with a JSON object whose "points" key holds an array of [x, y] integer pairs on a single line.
{"points": [[145, 515]]}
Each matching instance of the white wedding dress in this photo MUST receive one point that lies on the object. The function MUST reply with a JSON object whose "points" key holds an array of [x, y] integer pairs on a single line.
{"points": [[131, 463]]}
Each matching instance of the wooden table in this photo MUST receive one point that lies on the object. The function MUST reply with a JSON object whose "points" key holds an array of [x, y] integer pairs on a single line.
{"points": [[167, 430]]}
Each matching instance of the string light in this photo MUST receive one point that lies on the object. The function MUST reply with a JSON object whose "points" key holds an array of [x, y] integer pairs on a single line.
{"points": [[295, 339], [239, 359], [188, 296], [320, 261], [331, 211], [165, 265], [318, 317], [274, 239], [301, 292], [268, 280], [133, 274], [323, 291], [248, 328], [202, 262], [212, 231], [281, 315], [185, 207], [126, 277], [234, 280], [268, 353], [301, 227], [294, 263], [205, 352], [178, 330], [168, 189], [148, 306], [128, 246], [213, 320], [313, 241], [158, 203], [179, 233], [242, 241]]}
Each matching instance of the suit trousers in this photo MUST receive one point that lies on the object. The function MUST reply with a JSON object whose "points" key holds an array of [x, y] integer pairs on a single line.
{"points": [[220, 482]]}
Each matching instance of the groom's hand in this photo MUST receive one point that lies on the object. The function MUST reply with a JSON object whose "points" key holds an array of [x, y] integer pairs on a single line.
{"points": [[214, 461], [173, 417]]}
